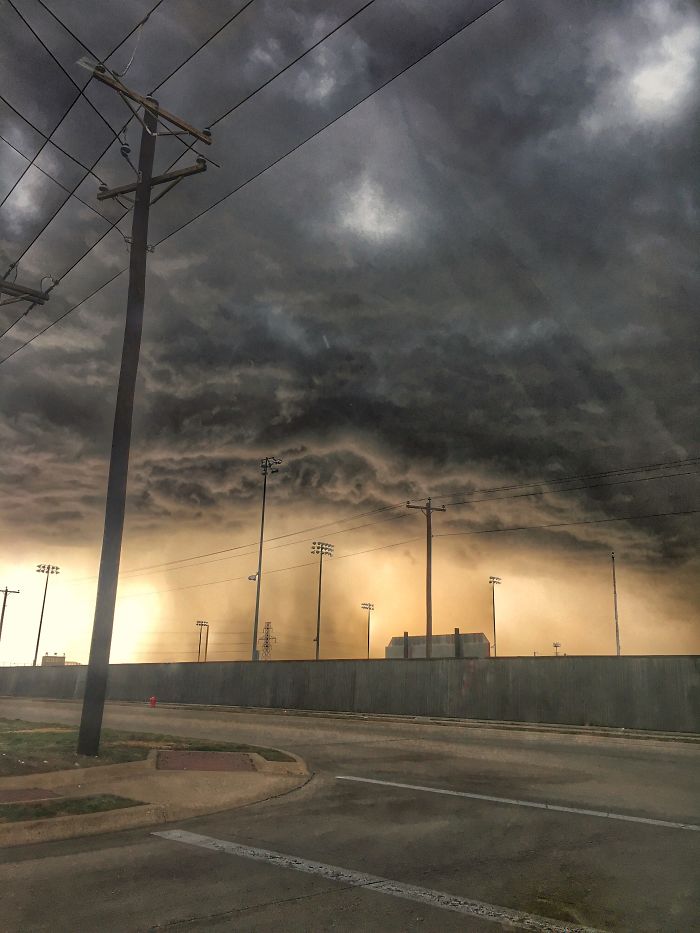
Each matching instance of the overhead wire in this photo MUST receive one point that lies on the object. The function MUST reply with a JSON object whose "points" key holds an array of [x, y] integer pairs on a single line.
{"points": [[46, 140], [63, 68], [181, 562], [32, 164], [382, 547], [289, 152], [642, 468], [587, 521], [114, 224], [89, 170], [548, 492]]}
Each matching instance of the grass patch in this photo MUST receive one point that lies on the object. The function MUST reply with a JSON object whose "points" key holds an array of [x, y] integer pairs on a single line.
{"points": [[16, 812], [33, 747]]}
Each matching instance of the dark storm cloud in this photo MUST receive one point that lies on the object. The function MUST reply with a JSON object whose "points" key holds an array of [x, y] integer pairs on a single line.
{"points": [[488, 269]]}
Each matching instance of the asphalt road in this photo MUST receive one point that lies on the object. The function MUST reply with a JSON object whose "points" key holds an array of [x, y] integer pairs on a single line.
{"points": [[578, 869]]}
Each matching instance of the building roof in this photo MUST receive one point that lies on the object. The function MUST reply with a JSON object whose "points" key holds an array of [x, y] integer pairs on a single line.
{"points": [[420, 639]]}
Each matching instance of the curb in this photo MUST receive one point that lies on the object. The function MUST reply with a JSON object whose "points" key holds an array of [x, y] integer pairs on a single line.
{"points": [[85, 776], [82, 824], [691, 738]]}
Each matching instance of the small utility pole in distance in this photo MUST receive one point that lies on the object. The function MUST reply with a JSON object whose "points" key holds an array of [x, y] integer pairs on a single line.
{"points": [[322, 549], [267, 465], [494, 581], [5, 593], [556, 645], [369, 607], [617, 622], [48, 569], [202, 625], [153, 115], [428, 510]]}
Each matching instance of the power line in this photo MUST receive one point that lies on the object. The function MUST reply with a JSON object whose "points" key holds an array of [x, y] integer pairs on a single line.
{"points": [[594, 521], [187, 146], [46, 140], [294, 149], [95, 163], [588, 521], [141, 23], [199, 48], [330, 123], [74, 101], [547, 492], [63, 69], [65, 314], [60, 184], [643, 468], [182, 560], [252, 553]]}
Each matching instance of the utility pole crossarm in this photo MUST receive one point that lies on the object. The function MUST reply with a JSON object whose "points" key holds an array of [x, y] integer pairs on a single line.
{"points": [[22, 291], [200, 166], [100, 73]]}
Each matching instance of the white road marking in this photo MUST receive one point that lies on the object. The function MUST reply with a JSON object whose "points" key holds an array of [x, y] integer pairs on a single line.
{"points": [[522, 803], [358, 879]]}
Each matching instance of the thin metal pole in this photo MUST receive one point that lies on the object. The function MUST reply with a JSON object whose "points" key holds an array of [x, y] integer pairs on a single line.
{"points": [[255, 653], [98, 665], [41, 620], [5, 593], [199, 646], [369, 616], [2, 614], [617, 621], [318, 615], [206, 643], [429, 582], [493, 602]]}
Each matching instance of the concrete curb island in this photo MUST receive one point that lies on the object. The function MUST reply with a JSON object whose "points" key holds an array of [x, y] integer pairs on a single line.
{"points": [[167, 795]]}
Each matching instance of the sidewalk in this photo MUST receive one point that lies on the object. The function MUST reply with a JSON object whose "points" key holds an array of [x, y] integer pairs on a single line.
{"points": [[167, 786]]}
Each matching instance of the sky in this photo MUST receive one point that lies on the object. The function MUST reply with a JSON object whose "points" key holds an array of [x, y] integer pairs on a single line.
{"points": [[478, 282]]}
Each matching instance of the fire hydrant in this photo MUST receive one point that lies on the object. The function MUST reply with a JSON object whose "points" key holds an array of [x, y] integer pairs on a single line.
{"points": [[152, 702]]}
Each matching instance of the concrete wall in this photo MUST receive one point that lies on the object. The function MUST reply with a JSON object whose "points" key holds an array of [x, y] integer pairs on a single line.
{"points": [[661, 692]]}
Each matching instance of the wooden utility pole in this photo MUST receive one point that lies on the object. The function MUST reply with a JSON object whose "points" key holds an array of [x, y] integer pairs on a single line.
{"points": [[151, 116], [5, 593], [428, 510]]}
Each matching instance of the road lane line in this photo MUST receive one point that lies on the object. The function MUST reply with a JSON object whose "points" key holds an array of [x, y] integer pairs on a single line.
{"points": [[522, 803], [357, 879]]}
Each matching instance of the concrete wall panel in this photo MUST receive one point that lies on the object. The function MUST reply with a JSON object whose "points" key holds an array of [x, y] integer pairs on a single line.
{"points": [[660, 692]]}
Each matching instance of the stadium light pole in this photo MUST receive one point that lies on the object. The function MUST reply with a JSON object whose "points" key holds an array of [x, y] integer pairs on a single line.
{"points": [[267, 465], [494, 581], [48, 569], [556, 645], [323, 549], [369, 607]]}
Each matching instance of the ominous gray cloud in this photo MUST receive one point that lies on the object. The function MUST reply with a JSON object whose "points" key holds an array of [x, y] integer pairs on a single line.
{"points": [[485, 274]]}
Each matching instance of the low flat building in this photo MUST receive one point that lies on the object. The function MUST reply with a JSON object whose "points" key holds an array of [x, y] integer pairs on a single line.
{"points": [[53, 660], [454, 645]]}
